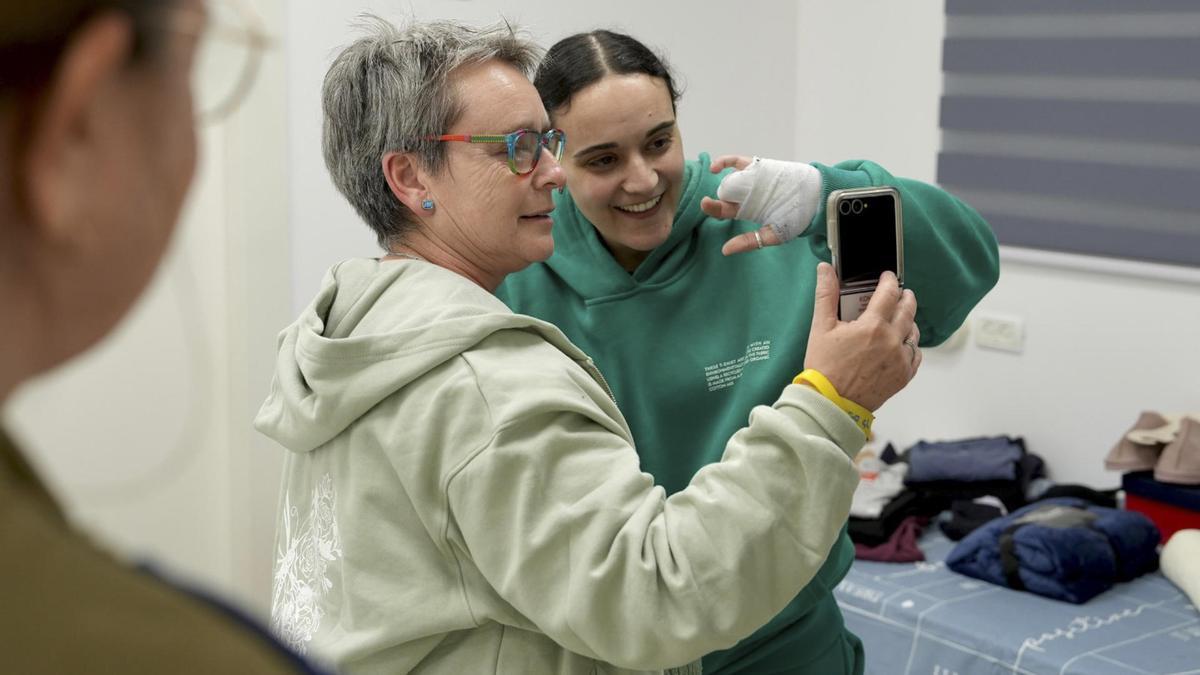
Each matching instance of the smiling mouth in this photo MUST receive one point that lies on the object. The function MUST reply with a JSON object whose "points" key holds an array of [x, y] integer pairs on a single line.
{"points": [[640, 208]]}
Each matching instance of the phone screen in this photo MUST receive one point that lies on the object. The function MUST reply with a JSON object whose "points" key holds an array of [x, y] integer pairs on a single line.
{"points": [[866, 237]]}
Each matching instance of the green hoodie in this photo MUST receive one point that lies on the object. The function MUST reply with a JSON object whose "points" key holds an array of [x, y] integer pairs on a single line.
{"points": [[692, 340], [462, 495]]}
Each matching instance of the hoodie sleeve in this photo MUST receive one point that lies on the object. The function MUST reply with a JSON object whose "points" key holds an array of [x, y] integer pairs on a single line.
{"points": [[556, 515], [951, 259]]}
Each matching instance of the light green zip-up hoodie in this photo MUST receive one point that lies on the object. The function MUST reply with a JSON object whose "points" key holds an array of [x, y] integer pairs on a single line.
{"points": [[462, 495]]}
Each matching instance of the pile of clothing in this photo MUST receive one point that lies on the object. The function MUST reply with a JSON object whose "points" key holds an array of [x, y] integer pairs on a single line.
{"points": [[973, 479], [963, 470], [1168, 444], [1160, 461], [1015, 527]]}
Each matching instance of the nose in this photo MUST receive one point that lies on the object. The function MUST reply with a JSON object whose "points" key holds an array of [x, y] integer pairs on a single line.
{"points": [[548, 174], [641, 177]]}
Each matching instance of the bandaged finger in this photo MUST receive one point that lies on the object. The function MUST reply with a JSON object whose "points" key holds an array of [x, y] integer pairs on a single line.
{"points": [[784, 195]]}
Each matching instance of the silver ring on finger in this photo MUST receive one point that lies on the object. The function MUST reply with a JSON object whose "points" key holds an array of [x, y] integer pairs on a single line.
{"points": [[758, 238], [908, 342]]}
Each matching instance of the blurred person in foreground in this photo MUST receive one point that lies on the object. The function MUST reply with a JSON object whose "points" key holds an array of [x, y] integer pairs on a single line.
{"points": [[462, 493], [97, 149]]}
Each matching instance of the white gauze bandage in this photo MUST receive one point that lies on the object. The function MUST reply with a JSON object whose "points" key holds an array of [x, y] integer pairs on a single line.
{"points": [[784, 195]]}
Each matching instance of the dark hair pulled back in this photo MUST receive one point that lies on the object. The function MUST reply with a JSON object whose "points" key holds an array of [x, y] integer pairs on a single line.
{"points": [[576, 62]]}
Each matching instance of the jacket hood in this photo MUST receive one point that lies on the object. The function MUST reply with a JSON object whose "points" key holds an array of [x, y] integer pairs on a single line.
{"points": [[584, 263], [370, 332]]}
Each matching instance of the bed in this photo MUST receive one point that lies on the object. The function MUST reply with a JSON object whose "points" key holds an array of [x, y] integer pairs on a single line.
{"points": [[924, 618]]}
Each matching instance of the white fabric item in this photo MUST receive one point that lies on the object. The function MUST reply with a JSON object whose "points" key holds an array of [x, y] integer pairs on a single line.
{"points": [[992, 501], [877, 487], [784, 195], [1180, 562]]}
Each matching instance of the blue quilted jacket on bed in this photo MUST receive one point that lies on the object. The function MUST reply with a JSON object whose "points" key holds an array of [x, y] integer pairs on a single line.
{"points": [[1062, 548]]}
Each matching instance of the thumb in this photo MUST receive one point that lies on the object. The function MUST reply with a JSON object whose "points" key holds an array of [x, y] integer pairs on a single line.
{"points": [[735, 187], [825, 302]]}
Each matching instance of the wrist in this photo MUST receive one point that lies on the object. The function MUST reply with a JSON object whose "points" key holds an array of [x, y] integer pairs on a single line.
{"points": [[862, 417]]}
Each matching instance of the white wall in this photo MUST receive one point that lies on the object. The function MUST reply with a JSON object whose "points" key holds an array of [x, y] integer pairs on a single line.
{"points": [[826, 81], [1103, 340], [870, 78], [736, 62]]}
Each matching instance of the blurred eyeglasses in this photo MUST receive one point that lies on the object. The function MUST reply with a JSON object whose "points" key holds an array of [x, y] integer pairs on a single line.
{"points": [[228, 54], [524, 146]]}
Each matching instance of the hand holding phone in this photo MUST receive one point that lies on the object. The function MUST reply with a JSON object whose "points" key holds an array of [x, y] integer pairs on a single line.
{"points": [[870, 360], [866, 237]]}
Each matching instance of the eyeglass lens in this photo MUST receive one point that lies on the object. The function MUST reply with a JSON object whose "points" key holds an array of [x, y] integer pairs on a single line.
{"points": [[226, 60], [526, 151]]}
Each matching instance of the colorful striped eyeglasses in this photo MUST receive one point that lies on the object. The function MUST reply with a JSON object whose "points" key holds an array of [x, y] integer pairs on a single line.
{"points": [[524, 146]]}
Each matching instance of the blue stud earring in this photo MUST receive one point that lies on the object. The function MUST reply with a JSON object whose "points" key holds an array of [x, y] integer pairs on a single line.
{"points": [[427, 204]]}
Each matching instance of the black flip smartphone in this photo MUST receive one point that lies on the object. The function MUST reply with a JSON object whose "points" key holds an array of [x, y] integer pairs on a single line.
{"points": [[866, 236]]}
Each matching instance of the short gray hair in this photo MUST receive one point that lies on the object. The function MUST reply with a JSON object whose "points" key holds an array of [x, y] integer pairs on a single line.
{"points": [[389, 91]]}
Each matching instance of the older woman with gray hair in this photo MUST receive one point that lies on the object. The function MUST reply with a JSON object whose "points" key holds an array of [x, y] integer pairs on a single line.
{"points": [[462, 494]]}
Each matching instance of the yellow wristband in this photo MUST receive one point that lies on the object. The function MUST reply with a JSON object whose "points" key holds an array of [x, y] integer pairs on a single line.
{"points": [[862, 417]]}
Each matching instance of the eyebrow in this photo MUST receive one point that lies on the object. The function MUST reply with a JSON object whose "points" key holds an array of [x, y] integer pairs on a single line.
{"points": [[608, 146]]}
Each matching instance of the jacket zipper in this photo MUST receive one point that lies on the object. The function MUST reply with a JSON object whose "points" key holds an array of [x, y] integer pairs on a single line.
{"points": [[592, 370]]}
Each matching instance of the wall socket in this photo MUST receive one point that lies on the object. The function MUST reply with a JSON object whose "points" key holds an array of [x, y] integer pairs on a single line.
{"points": [[999, 331]]}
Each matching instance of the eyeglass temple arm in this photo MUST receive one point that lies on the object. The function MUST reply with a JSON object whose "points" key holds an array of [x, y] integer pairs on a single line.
{"points": [[469, 138]]}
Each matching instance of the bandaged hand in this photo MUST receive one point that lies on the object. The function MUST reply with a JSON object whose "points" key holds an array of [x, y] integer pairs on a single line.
{"points": [[782, 196]]}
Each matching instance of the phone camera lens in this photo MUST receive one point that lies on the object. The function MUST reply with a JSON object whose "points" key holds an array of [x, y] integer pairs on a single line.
{"points": [[844, 208], [856, 207]]}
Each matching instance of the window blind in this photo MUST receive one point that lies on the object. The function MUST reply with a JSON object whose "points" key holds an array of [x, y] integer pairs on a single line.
{"points": [[1074, 125]]}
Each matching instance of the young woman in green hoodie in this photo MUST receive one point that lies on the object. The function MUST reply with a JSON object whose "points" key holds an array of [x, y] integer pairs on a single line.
{"points": [[689, 336]]}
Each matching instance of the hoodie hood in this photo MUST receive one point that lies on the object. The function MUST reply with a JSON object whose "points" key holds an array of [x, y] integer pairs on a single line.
{"points": [[370, 332], [585, 264]]}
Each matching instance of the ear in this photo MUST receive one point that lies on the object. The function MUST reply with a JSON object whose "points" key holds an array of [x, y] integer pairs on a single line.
{"points": [[406, 180], [65, 147]]}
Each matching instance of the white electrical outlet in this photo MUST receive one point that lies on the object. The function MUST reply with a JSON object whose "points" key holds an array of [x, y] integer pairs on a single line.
{"points": [[999, 331]]}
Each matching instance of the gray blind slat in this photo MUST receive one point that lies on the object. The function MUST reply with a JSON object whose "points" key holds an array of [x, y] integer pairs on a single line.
{"points": [[1156, 187], [1076, 123], [1112, 120], [1106, 57], [1009, 7], [1172, 248]]}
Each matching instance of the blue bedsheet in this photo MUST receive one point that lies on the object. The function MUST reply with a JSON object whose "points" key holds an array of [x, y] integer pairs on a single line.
{"points": [[923, 618]]}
